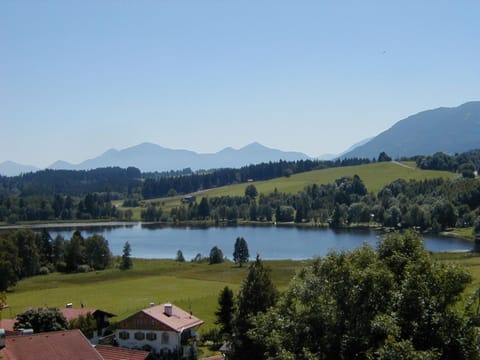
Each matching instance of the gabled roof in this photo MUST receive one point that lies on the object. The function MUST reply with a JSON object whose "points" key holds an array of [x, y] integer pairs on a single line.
{"points": [[57, 345], [178, 321], [117, 353]]}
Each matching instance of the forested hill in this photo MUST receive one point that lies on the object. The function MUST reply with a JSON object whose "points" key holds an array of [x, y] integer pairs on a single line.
{"points": [[449, 130], [72, 182], [121, 183]]}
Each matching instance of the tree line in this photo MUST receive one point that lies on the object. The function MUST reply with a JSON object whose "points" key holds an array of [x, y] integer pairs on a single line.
{"points": [[465, 163], [59, 207], [426, 205], [25, 253]]}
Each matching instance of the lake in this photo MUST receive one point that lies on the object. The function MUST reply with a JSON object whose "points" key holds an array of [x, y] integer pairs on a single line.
{"points": [[271, 242]]}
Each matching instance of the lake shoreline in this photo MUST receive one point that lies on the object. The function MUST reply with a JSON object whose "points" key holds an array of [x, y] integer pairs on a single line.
{"points": [[211, 224]]}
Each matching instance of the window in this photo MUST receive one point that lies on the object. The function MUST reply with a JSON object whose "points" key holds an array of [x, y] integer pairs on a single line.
{"points": [[139, 335], [124, 335], [165, 338], [151, 336]]}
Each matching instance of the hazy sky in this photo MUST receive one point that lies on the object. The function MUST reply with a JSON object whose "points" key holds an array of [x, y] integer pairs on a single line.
{"points": [[80, 77]]}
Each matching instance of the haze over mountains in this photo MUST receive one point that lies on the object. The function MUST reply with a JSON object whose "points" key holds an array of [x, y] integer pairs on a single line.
{"points": [[451, 130], [152, 157]]}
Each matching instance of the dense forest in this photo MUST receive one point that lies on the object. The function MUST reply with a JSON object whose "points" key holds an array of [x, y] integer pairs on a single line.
{"points": [[25, 253]]}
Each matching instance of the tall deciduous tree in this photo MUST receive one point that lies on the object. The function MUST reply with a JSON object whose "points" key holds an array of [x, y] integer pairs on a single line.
{"points": [[126, 262], [394, 303], [240, 251], [75, 252], [216, 256], [97, 252], [10, 263]]}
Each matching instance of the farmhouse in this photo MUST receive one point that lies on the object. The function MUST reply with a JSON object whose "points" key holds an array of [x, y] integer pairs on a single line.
{"points": [[163, 329]]}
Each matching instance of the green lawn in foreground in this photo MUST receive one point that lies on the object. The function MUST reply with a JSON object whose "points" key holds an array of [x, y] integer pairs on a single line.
{"points": [[188, 285]]}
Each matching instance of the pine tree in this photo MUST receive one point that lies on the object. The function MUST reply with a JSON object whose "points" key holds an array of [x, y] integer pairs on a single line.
{"points": [[225, 311], [126, 260], [240, 253]]}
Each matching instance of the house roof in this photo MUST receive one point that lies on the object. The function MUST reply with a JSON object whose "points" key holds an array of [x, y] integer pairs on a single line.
{"points": [[74, 313], [178, 321], [7, 325], [117, 353], [57, 345]]}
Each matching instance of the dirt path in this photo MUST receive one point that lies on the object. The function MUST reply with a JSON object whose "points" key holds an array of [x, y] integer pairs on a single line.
{"points": [[403, 165]]}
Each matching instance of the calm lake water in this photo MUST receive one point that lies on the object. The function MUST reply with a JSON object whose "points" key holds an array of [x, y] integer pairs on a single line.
{"points": [[271, 242]]}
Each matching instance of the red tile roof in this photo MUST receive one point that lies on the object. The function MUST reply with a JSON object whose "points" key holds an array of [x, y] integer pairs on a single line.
{"points": [[117, 353], [58, 345], [7, 325], [179, 320], [74, 313]]}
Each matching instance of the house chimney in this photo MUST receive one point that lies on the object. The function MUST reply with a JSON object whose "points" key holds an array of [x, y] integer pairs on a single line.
{"points": [[168, 309], [2, 338]]}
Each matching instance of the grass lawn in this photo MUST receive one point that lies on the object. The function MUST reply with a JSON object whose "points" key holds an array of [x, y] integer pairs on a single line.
{"points": [[191, 286]]}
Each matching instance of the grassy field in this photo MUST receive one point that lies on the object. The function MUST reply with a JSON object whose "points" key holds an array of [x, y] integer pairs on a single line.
{"points": [[189, 285], [375, 176]]}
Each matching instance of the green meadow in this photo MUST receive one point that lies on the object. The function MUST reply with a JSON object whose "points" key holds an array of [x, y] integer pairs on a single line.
{"points": [[375, 176], [192, 286]]}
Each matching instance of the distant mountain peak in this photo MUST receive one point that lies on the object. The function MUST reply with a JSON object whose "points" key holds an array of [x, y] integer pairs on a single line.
{"points": [[446, 129], [152, 157], [11, 168]]}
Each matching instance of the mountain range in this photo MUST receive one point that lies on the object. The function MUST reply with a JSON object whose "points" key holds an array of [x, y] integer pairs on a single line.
{"points": [[451, 130], [152, 157]]}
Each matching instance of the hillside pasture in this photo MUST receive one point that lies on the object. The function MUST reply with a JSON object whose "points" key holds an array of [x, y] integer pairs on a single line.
{"points": [[375, 176]]}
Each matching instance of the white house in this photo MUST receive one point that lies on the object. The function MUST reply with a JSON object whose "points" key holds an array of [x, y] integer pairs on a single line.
{"points": [[163, 328]]}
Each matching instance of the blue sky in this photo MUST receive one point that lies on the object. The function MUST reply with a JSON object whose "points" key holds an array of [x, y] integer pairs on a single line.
{"points": [[80, 77]]}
